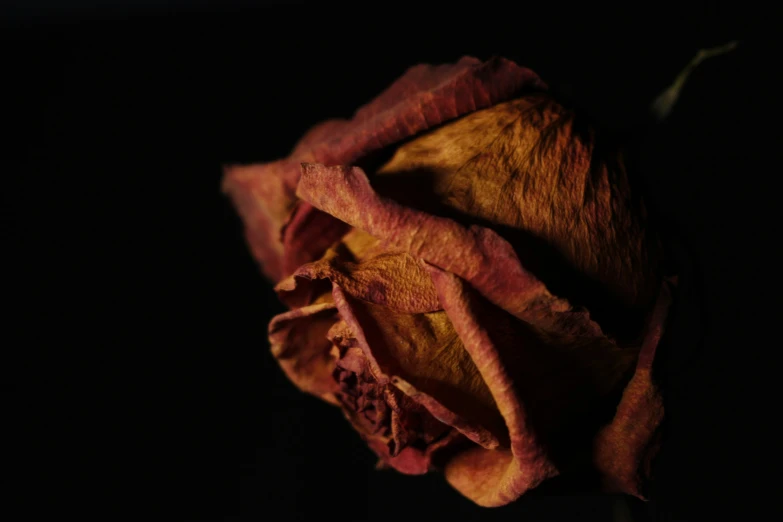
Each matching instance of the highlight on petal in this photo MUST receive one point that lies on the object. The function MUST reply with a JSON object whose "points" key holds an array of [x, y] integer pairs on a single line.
{"points": [[392, 279], [476, 254], [299, 343], [425, 96]]}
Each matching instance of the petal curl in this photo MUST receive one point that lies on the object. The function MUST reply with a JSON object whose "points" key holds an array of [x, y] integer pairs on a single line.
{"points": [[425, 96], [625, 448], [476, 254], [553, 390]]}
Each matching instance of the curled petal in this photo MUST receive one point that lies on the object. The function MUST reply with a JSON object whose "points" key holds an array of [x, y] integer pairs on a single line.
{"points": [[299, 342], [477, 254], [492, 478], [553, 389], [425, 96], [264, 196], [624, 449]]}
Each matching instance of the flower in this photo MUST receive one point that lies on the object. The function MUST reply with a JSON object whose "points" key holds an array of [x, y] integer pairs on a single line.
{"points": [[470, 278]]}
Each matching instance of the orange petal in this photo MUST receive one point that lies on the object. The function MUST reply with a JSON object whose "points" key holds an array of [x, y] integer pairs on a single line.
{"points": [[394, 280]]}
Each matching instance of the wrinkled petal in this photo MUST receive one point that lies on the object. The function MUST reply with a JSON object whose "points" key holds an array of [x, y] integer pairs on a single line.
{"points": [[422, 356], [492, 478], [531, 171], [544, 384], [425, 96], [625, 448], [398, 428], [476, 254], [395, 280], [299, 343]]}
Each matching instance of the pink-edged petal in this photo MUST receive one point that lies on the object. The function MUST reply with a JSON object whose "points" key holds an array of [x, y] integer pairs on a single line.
{"points": [[422, 358], [625, 448], [549, 386], [299, 343], [476, 254], [264, 196], [423, 97], [492, 478]]}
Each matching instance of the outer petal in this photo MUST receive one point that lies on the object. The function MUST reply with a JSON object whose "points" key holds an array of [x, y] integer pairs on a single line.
{"points": [[476, 254], [299, 343], [422, 356], [423, 97], [625, 448], [264, 196], [545, 384]]}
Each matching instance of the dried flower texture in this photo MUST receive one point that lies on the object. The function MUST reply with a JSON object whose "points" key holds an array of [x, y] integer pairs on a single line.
{"points": [[470, 279]]}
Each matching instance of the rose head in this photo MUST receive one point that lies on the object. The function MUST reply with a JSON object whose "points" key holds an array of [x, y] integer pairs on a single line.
{"points": [[470, 279]]}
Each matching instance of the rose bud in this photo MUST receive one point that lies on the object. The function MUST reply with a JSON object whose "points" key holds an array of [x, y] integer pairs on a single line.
{"points": [[471, 279]]}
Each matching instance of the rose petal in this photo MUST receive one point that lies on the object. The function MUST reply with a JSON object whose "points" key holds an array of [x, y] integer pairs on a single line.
{"points": [[547, 385], [423, 97], [264, 198], [491, 478], [625, 448], [395, 280], [299, 343], [530, 171], [476, 254], [422, 356], [307, 234]]}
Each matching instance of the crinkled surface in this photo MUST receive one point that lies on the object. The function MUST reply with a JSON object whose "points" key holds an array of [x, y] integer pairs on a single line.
{"points": [[476, 254], [531, 171], [624, 449], [475, 304], [425, 96], [423, 356]]}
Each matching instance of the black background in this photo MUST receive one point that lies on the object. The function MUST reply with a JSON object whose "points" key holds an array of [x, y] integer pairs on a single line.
{"points": [[137, 372]]}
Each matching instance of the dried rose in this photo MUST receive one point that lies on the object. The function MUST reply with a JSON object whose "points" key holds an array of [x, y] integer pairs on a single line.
{"points": [[470, 279]]}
